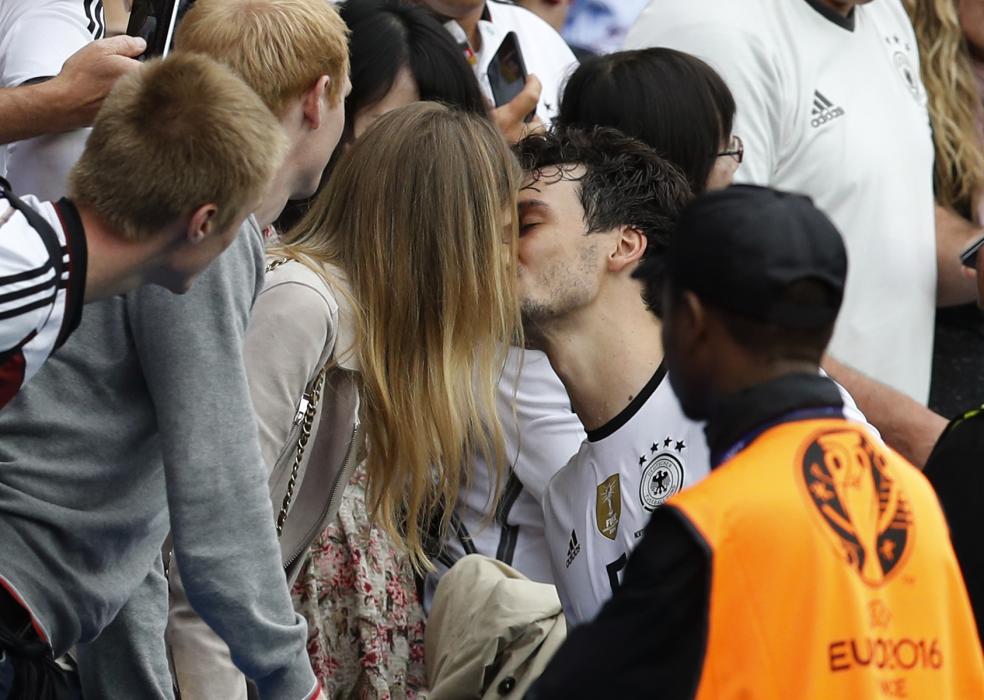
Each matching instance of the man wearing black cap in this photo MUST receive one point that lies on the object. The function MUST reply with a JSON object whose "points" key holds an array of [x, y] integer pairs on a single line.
{"points": [[813, 562]]}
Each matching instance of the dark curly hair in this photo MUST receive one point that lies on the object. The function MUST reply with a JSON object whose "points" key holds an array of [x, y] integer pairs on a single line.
{"points": [[624, 182], [672, 101]]}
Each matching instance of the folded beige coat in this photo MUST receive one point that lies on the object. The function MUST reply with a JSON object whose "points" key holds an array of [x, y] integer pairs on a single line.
{"points": [[491, 631]]}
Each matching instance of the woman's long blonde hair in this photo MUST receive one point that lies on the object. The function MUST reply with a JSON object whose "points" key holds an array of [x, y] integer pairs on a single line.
{"points": [[954, 102], [420, 216]]}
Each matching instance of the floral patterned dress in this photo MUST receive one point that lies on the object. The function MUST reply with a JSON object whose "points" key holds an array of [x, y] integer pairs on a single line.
{"points": [[365, 621]]}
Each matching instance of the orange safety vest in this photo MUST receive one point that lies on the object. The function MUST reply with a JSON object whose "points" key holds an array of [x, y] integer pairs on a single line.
{"points": [[832, 574]]}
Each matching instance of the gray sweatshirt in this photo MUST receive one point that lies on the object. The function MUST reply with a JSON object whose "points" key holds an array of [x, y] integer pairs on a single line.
{"points": [[146, 411]]}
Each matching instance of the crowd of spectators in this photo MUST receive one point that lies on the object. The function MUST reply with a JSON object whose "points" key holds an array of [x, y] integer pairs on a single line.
{"points": [[476, 348]]}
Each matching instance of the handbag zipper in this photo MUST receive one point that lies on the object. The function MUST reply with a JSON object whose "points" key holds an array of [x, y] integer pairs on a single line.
{"points": [[343, 480]]}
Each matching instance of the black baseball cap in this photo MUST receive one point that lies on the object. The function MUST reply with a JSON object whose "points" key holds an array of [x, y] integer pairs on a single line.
{"points": [[740, 248]]}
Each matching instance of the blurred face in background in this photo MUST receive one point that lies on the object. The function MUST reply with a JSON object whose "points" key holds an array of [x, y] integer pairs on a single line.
{"points": [[726, 164], [403, 92]]}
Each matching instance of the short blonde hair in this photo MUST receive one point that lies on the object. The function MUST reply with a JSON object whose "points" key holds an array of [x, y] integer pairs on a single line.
{"points": [[280, 47], [172, 137]]}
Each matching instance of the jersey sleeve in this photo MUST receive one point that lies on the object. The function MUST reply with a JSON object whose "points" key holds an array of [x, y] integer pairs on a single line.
{"points": [[32, 304], [27, 286], [746, 62], [562, 541]]}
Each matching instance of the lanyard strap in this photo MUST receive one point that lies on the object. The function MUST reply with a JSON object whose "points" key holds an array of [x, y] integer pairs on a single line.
{"points": [[795, 415]]}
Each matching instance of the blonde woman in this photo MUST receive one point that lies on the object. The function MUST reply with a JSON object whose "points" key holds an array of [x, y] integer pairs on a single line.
{"points": [[950, 34], [400, 280]]}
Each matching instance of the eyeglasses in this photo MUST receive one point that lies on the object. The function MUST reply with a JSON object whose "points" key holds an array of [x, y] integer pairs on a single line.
{"points": [[736, 149]]}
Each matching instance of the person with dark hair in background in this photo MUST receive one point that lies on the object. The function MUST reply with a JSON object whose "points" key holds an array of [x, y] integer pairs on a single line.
{"points": [[813, 562], [399, 54], [670, 100]]}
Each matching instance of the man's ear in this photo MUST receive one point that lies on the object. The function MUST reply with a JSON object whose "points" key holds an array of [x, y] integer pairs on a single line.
{"points": [[201, 224], [314, 102], [630, 246]]}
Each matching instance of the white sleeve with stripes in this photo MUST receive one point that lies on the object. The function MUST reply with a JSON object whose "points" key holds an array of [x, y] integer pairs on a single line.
{"points": [[32, 302]]}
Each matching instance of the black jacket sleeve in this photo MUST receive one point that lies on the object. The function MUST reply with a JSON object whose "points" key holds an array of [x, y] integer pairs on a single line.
{"points": [[956, 472], [649, 639]]}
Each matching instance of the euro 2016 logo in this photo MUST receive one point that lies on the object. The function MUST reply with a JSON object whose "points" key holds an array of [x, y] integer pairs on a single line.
{"points": [[861, 506]]}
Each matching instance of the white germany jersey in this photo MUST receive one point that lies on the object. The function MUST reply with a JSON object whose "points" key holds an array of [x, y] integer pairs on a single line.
{"points": [[834, 108], [597, 507], [541, 436], [38, 309], [36, 38]]}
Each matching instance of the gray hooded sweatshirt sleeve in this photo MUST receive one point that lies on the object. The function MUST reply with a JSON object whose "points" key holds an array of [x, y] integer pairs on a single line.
{"points": [[147, 411]]}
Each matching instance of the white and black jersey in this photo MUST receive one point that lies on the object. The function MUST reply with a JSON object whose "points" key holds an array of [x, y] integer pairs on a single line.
{"points": [[36, 38], [541, 436], [597, 507], [42, 284], [834, 107]]}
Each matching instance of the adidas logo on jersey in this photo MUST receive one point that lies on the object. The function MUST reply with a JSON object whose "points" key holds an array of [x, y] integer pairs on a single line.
{"points": [[573, 549], [824, 110]]}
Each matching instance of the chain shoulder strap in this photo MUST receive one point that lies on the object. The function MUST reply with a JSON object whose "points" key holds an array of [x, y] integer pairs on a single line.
{"points": [[302, 441], [274, 264]]}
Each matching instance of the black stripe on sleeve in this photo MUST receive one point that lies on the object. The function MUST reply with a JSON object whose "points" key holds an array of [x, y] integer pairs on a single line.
{"points": [[87, 8], [29, 291], [510, 533], [27, 308], [27, 274], [100, 17]]}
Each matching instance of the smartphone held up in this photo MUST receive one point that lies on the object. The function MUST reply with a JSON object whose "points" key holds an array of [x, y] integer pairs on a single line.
{"points": [[154, 21], [507, 72]]}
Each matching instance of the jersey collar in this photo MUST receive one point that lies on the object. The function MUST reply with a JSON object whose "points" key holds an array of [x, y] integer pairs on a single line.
{"points": [[625, 415], [835, 17]]}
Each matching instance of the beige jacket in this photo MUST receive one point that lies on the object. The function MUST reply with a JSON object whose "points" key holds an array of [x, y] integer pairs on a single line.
{"points": [[298, 324], [491, 631]]}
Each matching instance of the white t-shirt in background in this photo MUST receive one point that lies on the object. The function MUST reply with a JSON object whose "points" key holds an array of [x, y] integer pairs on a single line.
{"points": [[36, 38], [837, 113]]}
